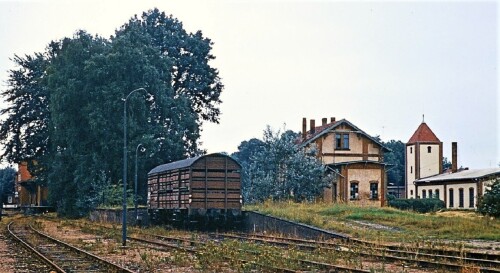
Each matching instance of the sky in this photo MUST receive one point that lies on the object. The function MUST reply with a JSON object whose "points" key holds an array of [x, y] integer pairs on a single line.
{"points": [[383, 65]]}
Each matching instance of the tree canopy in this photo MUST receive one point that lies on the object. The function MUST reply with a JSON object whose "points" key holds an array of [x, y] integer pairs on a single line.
{"points": [[66, 106], [278, 168]]}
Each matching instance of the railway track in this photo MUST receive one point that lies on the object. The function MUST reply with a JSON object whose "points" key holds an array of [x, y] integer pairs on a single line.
{"points": [[424, 257], [196, 246], [60, 256]]}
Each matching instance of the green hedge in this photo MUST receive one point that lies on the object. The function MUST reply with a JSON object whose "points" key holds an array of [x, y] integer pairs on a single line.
{"points": [[418, 205]]}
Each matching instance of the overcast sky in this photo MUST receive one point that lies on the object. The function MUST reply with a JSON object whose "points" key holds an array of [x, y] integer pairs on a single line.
{"points": [[380, 65]]}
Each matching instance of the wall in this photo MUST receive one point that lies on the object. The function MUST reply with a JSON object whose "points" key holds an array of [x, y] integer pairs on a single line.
{"points": [[410, 171], [364, 177], [429, 162]]}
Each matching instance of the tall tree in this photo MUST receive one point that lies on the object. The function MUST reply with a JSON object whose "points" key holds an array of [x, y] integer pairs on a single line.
{"points": [[24, 132], [84, 80]]}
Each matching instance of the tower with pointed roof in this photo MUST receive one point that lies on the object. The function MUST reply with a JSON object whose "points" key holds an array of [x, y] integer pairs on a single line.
{"points": [[424, 157]]}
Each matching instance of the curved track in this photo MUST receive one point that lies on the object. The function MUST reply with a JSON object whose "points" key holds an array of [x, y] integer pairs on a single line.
{"points": [[58, 255]]}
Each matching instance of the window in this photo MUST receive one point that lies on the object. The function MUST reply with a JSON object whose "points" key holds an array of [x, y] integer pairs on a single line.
{"points": [[346, 141], [424, 194], [430, 194], [411, 192], [436, 193], [354, 190], [450, 198], [342, 141], [429, 149], [338, 141], [471, 197], [411, 150], [373, 190], [411, 169], [461, 198]]}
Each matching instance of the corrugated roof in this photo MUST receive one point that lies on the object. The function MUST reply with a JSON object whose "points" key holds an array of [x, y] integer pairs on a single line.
{"points": [[174, 165], [462, 175], [423, 134]]}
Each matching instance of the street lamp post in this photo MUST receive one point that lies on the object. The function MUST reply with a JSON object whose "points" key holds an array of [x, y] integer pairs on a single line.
{"points": [[124, 211], [135, 181]]}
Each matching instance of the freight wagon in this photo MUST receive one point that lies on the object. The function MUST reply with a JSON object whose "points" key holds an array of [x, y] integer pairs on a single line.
{"points": [[203, 191]]}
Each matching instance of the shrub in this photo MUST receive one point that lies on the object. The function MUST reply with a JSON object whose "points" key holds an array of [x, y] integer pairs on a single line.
{"points": [[418, 205], [489, 204]]}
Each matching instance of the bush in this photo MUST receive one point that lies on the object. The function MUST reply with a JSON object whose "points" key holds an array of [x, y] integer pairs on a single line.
{"points": [[418, 205], [489, 204]]}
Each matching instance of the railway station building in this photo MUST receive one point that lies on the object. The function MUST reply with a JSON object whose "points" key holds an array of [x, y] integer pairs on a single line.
{"points": [[354, 158]]}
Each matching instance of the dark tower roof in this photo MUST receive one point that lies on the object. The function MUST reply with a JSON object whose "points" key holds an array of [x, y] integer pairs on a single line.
{"points": [[423, 134]]}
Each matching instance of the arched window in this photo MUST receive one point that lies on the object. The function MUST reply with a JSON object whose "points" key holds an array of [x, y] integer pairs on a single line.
{"points": [[430, 194], [429, 149], [450, 198], [424, 194], [436, 192], [471, 198], [460, 198]]}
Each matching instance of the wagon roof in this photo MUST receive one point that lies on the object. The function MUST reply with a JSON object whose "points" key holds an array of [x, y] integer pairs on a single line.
{"points": [[185, 163]]}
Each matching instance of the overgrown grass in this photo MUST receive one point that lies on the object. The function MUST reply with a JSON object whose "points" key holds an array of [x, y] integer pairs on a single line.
{"points": [[401, 225]]}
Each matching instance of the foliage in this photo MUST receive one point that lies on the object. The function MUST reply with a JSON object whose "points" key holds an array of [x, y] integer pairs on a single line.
{"points": [[396, 159], [246, 155], [66, 106], [24, 132], [446, 164], [7, 176], [280, 169], [489, 203], [418, 205]]}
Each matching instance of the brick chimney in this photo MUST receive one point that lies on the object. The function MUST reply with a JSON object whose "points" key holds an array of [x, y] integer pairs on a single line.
{"points": [[312, 125], [332, 119], [454, 166], [304, 129], [324, 121]]}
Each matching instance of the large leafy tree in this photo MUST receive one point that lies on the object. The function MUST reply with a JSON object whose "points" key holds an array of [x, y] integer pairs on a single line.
{"points": [[85, 79], [190, 54], [282, 170]]}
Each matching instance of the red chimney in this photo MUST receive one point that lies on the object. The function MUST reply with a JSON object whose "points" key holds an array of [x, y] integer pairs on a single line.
{"points": [[454, 166], [313, 126], [304, 129], [332, 119]]}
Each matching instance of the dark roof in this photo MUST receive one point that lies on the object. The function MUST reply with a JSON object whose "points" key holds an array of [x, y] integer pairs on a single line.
{"points": [[423, 134], [462, 175], [185, 163], [324, 129]]}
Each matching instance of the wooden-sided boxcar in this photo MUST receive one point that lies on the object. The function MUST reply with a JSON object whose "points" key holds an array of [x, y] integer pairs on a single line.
{"points": [[198, 191]]}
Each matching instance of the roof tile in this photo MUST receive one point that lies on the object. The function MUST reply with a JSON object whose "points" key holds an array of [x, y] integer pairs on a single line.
{"points": [[423, 134]]}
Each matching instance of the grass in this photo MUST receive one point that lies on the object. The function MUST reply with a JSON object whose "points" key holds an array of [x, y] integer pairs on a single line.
{"points": [[401, 225]]}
